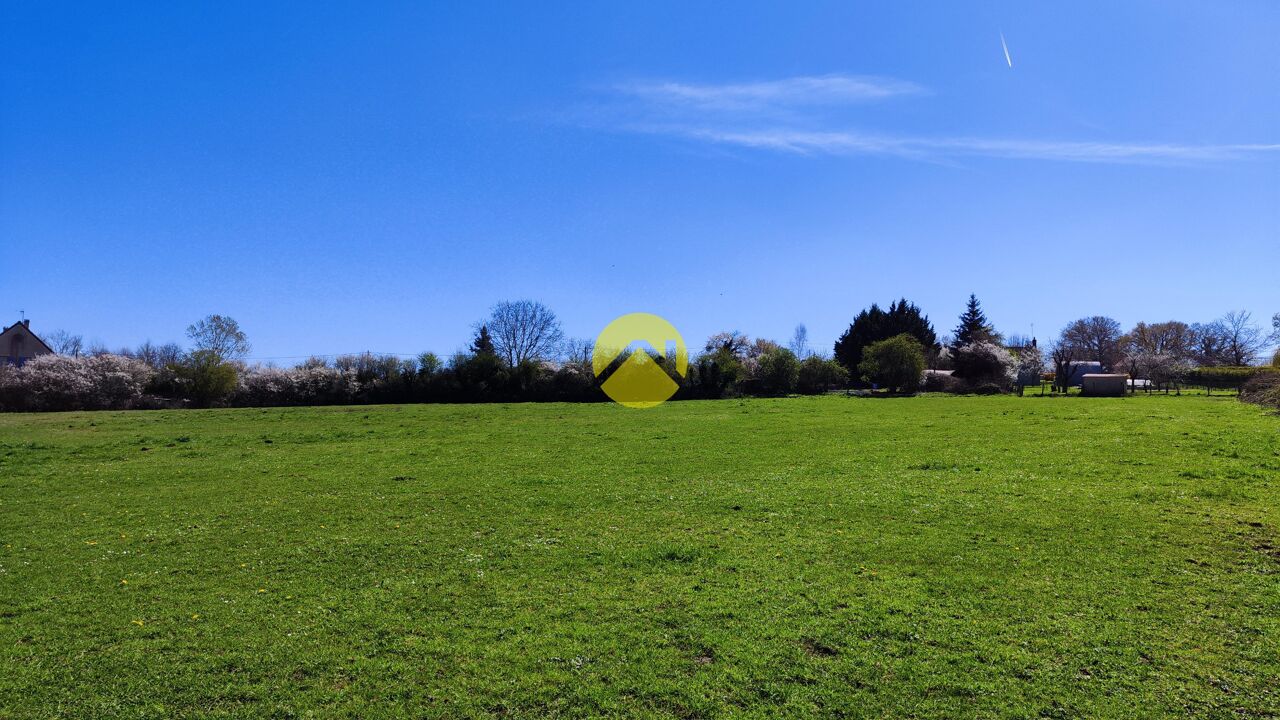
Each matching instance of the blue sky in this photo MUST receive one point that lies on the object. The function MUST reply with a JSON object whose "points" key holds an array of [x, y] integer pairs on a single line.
{"points": [[375, 178]]}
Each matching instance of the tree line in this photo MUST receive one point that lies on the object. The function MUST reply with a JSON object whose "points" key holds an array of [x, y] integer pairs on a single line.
{"points": [[520, 353]]}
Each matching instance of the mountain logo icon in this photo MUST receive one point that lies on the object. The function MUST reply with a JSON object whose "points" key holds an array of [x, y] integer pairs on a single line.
{"points": [[635, 356]]}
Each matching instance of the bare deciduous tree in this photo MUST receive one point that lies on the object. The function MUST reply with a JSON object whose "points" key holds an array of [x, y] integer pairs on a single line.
{"points": [[1208, 343], [64, 343], [1063, 352], [577, 351], [1172, 338], [219, 335], [158, 356], [1242, 339], [1016, 340], [1096, 338], [98, 347], [524, 330], [800, 342]]}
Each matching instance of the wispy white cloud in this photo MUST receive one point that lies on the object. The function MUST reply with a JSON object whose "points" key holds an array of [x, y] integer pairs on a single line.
{"points": [[853, 143], [772, 94], [802, 115]]}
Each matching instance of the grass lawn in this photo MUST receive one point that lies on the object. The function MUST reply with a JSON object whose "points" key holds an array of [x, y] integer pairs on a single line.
{"points": [[805, 557]]}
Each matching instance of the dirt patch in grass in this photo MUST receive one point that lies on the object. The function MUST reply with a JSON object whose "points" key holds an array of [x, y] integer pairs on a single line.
{"points": [[817, 648]]}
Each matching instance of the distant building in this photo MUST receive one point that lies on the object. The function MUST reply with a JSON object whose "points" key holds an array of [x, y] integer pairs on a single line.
{"points": [[1103, 385], [18, 344], [1080, 368]]}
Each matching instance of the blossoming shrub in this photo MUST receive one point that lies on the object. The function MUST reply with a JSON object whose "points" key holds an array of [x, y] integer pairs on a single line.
{"points": [[61, 382], [1162, 369], [117, 382], [310, 384], [985, 364]]}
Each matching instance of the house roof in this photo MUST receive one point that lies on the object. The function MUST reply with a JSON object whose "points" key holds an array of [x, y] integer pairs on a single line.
{"points": [[27, 328]]}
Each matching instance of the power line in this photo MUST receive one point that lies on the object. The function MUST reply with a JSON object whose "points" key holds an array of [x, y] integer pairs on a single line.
{"points": [[334, 355]]}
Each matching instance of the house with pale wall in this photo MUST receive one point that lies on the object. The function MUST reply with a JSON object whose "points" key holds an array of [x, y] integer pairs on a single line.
{"points": [[18, 344]]}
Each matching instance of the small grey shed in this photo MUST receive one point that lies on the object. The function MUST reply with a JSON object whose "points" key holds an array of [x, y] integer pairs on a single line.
{"points": [[1103, 385]]}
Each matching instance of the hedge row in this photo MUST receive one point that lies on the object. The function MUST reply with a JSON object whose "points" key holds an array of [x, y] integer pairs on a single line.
{"points": [[1225, 376]]}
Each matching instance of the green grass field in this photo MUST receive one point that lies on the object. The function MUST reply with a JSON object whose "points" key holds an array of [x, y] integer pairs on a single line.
{"points": [[820, 557]]}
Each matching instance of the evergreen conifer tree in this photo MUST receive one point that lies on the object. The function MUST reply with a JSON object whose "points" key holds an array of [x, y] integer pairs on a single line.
{"points": [[483, 344], [973, 325], [875, 324]]}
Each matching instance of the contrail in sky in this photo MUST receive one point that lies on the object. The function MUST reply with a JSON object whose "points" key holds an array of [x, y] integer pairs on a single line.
{"points": [[1006, 50]]}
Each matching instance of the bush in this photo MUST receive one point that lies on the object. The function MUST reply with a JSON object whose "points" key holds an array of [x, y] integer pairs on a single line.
{"points": [[118, 382], [715, 375], [205, 378], [1031, 367], [937, 382], [574, 383], [54, 382], [308, 384], [1162, 369], [481, 377], [1224, 376], [265, 387], [61, 382], [985, 363], [1263, 389], [873, 325], [9, 395], [529, 379], [776, 372], [896, 363], [818, 375]]}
